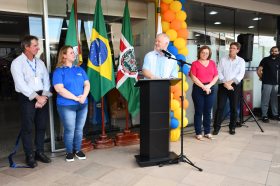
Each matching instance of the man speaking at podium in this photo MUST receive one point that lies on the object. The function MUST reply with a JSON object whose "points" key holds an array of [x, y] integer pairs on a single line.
{"points": [[156, 64]]}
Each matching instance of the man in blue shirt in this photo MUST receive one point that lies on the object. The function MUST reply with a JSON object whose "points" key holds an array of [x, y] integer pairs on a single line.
{"points": [[156, 65], [32, 84]]}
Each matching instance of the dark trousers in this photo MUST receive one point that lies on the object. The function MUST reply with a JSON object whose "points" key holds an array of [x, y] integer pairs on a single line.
{"points": [[30, 116], [233, 96], [203, 104]]}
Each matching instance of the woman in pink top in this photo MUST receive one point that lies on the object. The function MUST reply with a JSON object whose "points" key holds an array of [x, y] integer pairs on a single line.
{"points": [[204, 75]]}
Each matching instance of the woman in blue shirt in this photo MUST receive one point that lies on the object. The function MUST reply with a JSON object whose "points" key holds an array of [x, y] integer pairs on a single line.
{"points": [[72, 85]]}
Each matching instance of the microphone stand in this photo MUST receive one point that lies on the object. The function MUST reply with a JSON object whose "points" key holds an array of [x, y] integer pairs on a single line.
{"points": [[181, 157]]}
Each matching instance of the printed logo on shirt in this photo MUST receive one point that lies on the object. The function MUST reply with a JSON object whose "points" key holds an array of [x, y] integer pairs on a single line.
{"points": [[79, 74]]}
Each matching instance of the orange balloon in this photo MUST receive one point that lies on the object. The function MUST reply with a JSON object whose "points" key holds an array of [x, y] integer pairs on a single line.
{"points": [[168, 16], [163, 7], [185, 104], [175, 88], [176, 24], [183, 33], [177, 94]]}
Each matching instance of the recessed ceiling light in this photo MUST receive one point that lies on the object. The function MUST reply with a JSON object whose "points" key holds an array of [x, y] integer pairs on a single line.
{"points": [[213, 13], [256, 18], [217, 23], [251, 27], [197, 35]]}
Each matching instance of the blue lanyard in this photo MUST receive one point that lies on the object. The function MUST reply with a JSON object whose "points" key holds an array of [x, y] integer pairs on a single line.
{"points": [[34, 70]]}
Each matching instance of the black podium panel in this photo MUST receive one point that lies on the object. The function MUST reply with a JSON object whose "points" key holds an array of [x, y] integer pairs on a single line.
{"points": [[154, 128]]}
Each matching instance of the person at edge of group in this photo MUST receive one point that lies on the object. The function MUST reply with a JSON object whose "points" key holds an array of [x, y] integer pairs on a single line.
{"points": [[33, 86], [231, 71], [72, 85], [204, 74], [268, 72], [156, 65]]}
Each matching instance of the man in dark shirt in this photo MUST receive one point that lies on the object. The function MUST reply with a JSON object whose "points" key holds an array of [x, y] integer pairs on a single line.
{"points": [[269, 75]]}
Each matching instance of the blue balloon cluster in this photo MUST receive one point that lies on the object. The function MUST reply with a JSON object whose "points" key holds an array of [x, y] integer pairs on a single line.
{"points": [[174, 123]]}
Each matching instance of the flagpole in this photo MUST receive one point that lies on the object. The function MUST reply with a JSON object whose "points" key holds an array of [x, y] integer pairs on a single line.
{"points": [[103, 141], [76, 18], [102, 118]]}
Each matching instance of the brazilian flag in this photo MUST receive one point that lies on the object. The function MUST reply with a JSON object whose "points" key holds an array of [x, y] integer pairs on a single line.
{"points": [[100, 66]]}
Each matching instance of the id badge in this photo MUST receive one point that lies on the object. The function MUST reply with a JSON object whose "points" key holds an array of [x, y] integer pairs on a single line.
{"points": [[36, 80]]}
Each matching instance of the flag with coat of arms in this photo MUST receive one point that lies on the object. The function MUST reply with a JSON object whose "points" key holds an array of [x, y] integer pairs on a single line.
{"points": [[127, 69]]}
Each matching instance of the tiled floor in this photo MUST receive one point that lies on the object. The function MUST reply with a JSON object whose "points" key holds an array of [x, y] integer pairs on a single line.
{"points": [[249, 158]]}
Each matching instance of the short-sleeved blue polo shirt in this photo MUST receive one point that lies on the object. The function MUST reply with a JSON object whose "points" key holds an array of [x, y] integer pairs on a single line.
{"points": [[73, 79]]}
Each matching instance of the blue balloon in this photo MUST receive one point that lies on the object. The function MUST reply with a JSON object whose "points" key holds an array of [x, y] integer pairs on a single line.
{"points": [[183, 4], [170, 44], [174, 123], [186, 69], [171, 114], [173, 50], [181, 57]]}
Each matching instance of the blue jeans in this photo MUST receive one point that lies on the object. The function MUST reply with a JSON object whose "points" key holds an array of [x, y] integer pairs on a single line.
{"points": [[73, 118], [203, 104]]}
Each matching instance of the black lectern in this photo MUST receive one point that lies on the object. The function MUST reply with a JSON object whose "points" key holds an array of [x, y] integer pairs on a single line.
{"points": [[154, 121]]}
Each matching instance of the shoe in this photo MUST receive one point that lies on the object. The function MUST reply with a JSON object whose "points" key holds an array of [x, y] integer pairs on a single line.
{"points": [[80, 155], [231, 131], [69, 157], [40, 156], [215, 132], [30, 161], [265, 119], [209, 136], [238, 124], [276, 118]]}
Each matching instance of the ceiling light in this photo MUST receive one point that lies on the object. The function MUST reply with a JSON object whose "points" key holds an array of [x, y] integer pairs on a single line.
{"points": [[251, 27], [256, 18], [217, 23], [197, 35], [63, 28], [213, 13]]}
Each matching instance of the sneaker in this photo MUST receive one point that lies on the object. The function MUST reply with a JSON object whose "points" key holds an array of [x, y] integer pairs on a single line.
{"points": [[265, 119], [69, 157], [80, 155], [209, 136], [199, 137]]}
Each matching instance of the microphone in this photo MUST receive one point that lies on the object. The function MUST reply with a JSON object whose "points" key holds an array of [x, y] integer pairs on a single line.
{"points": [[167, 54]]}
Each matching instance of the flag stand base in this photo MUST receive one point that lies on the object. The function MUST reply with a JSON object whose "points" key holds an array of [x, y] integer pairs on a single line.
{"points": [[87, 145], [104, 142], [127, 138]]}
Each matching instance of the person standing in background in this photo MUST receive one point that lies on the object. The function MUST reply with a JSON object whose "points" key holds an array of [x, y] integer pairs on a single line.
{"points": [[72, 86], [268, 72], [32, 83], [204, 75], [231, 71]]}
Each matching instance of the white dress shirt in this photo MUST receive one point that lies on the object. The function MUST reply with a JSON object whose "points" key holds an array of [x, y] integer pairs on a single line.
{"points": [[160, 65], [30, 76], [231, 69]]}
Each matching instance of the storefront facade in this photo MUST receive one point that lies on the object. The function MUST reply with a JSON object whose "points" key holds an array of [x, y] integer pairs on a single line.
{"points": [[46, 19]]}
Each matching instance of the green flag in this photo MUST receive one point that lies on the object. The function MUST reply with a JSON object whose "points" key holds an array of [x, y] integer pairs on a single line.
{"points": [[127, 69], [100, 66], [71, 36]]}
